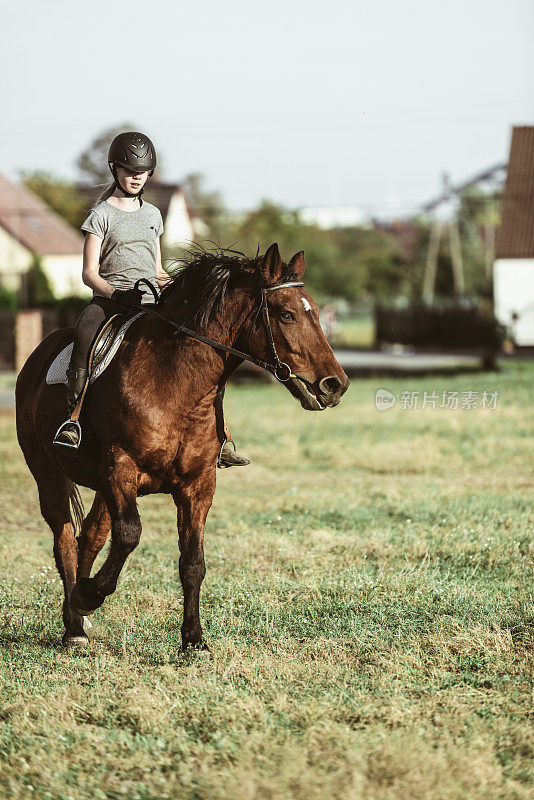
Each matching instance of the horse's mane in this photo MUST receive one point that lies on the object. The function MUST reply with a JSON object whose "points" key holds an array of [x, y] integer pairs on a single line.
{"points": [[204, 276]]}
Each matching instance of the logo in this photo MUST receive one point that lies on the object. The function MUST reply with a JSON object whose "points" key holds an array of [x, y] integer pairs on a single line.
{"points": [[384, 400]]}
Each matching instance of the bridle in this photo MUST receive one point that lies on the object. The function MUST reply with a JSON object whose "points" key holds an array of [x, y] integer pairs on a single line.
{"points": [[279, 369]]}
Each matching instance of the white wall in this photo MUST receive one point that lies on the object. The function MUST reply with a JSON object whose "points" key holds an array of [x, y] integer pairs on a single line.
{"points": [[65, 274], [513, 290], [178, 229], [14, 260], [330, 217]]}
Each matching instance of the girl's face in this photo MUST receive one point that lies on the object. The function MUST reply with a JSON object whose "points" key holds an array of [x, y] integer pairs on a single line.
{"points": [[131, 181]]}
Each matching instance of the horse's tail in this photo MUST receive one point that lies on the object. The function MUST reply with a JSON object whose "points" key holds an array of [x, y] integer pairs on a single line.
{"points": [[77, 512]]}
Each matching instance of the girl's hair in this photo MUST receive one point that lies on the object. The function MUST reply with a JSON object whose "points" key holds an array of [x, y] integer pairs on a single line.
{"points": [[108, 191]]}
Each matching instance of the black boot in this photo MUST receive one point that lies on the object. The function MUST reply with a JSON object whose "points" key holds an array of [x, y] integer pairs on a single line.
{"points": [[69, 433], [229, 457]]}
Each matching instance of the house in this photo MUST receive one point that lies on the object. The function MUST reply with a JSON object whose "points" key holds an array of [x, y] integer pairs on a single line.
{"points": [[513, 269], [29, 227], [178, 222]]}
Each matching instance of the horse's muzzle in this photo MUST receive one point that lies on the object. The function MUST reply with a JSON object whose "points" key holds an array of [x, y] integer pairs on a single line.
{"points": [[320, 394]]}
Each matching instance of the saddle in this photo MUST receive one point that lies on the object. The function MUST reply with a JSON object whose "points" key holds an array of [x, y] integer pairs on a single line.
{"points": [[105, 345]]}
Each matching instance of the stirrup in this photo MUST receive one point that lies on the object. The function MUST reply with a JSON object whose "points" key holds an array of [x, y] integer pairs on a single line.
{"points": [[77, 425], [220, 465], [242, 463]]}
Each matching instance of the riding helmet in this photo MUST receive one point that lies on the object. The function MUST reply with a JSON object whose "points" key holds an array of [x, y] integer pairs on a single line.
{"points": [[134, 151]]}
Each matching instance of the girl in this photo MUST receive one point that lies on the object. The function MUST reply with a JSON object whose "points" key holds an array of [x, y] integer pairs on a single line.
{"points": [[121, 245]]}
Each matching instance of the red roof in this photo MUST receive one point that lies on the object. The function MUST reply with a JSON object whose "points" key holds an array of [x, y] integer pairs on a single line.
{"points": [[34, 224], [515, 235]]}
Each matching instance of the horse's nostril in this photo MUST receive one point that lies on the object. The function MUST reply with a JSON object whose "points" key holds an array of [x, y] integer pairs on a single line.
{"points": [[330, 385]]}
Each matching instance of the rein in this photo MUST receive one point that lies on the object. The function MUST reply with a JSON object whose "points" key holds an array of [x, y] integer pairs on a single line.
{"points": [[279, 369]]}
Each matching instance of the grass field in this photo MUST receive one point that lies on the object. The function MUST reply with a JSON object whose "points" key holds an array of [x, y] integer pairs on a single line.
{"points": [[367, 601]]}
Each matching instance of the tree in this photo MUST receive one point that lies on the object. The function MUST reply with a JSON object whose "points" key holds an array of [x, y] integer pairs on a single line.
{"points": [[352, 263], [478, 217], [37, 290]]}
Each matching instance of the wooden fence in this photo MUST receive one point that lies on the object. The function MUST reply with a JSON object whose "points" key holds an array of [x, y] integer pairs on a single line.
{"points": [[420, 326]]}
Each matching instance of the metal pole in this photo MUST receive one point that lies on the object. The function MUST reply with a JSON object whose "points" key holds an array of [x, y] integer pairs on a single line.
{"points": [[429, 283], [456, 255]]}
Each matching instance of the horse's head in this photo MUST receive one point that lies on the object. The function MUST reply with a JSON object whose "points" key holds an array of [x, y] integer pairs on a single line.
{"points": [[317, 379]]}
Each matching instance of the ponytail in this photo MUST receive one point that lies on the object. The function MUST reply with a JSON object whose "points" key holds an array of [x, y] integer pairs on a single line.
{"points": [[107, 192]]}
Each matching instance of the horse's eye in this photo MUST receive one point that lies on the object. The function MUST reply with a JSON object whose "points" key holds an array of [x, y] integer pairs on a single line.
{"points": [[287, 316]]}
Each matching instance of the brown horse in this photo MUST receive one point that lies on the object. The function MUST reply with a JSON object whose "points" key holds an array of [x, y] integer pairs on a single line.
{"points": [[150, 421]]}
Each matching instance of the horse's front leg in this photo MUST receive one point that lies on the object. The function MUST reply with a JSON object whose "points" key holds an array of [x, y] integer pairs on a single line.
{"points": [[193, 501], [120, 495]]}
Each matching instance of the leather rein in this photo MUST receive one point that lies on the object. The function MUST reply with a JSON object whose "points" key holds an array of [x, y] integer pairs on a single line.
{"points": [[279, 369]]}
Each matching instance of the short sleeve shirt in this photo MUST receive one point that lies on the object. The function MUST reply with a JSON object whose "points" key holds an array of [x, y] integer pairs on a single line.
{"points": [[129, 244]]}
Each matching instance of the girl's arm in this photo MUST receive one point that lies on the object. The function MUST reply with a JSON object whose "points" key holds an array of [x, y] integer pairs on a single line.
{"points": [[91, 260], [162, 278]]}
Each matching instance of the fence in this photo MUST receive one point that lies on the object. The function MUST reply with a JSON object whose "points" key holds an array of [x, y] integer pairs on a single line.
{"points": [[445, 328]]}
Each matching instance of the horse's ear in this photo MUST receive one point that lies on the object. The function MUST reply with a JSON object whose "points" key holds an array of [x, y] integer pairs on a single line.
{"points": [[297, 264], [272, 265]]}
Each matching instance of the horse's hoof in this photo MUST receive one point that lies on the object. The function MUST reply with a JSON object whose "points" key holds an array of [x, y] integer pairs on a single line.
{"points": [[77, 604], [76, 641], [81, 600], [199, 647]]}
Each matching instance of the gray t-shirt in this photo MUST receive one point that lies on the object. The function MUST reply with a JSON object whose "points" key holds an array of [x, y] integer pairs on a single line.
{"points": [[128, 250]]}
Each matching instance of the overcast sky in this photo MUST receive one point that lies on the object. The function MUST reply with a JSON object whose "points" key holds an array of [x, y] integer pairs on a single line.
{"points": [[307, 103]]}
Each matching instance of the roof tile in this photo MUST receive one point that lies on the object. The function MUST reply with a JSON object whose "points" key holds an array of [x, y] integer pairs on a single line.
{"points": [[515, 235], [34, 224]]}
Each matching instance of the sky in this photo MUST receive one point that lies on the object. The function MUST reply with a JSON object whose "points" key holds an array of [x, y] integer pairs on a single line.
{"points": [[331, 103]]}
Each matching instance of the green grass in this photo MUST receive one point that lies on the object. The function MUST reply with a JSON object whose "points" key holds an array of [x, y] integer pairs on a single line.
{"points": [[367, 601]]}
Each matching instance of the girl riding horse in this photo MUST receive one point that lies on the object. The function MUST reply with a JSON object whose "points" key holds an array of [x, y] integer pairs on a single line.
{"points": [[151, 425], [122, 245]]}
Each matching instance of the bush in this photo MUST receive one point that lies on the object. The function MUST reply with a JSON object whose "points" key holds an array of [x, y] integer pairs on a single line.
{"points": [[8, 299]]}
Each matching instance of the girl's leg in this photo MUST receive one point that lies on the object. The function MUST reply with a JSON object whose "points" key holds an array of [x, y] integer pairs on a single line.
{"points": [[228, 457], [85, 330]]}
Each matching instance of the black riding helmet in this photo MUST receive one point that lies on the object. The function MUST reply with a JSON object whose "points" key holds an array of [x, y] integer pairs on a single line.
{"points": [[134, 151]]}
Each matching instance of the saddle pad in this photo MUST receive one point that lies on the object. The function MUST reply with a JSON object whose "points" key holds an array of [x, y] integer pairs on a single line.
{"points": [[57, 371]]}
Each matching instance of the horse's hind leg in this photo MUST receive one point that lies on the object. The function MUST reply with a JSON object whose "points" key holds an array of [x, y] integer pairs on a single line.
{"points": [[95, 531], [54, 491]]}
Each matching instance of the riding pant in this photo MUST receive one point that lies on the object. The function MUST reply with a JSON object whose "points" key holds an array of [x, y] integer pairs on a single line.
{"points": [[88, 323]]}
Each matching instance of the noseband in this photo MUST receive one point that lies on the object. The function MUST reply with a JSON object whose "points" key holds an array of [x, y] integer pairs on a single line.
{"points": [[279, 369]]}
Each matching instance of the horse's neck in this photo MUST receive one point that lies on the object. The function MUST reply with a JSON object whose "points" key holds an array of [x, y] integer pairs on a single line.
{"points": [[208, 368]]}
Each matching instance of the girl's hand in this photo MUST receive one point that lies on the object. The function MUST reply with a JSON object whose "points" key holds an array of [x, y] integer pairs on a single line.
{"points": [[127, 298]]}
